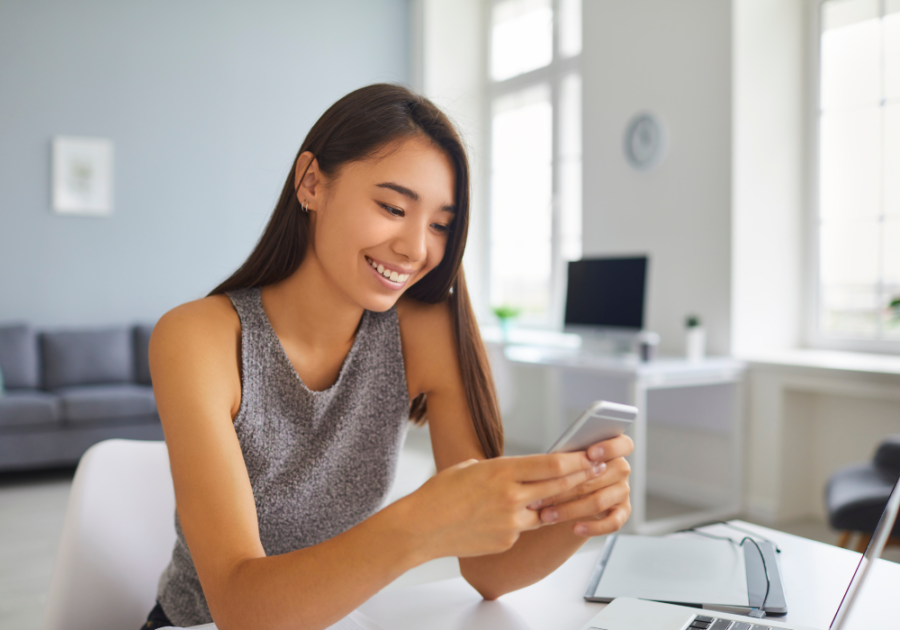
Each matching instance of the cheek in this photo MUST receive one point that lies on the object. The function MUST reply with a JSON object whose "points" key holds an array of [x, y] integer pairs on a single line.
{"points": [[436, 250], [343, 235]]}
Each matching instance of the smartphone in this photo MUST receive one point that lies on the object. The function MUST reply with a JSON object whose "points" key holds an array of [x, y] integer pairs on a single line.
{"points": [[602, 420]]}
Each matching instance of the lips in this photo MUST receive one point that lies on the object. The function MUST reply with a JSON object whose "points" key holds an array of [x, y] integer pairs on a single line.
{"points": [[394, 276]]}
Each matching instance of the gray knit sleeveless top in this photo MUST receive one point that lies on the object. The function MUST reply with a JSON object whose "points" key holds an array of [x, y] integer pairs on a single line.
{"points": [[319, 462]]}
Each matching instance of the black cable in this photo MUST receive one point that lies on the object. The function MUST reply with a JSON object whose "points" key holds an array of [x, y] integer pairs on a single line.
{"points": [[740, 529], [762, 608]]}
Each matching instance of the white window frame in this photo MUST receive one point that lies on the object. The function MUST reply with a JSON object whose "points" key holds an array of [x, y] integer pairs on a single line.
{"points": [[553, 76], [814, 336]]}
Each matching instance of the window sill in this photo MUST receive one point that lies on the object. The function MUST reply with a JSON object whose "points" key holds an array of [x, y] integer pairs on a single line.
{"points": [[831, 360]]}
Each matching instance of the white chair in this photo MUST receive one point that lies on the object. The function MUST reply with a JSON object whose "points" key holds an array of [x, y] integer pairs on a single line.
{"points": [[117, 538]]}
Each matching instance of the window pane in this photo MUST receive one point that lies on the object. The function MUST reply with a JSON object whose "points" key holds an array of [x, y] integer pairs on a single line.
{"points": [[850, 253], [521, 37], [570, 167], [849, 278], [838, 13], [892, 160], [849, 311], [891, 279], [892, 55], [521, 161], [892, 256], [850, 166], [569, 27], [851, 59]]}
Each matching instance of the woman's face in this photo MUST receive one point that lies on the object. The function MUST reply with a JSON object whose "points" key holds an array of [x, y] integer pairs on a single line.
{"points": [[382, 224]]}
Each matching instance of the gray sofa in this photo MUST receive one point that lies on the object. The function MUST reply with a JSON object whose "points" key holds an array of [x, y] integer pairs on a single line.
{"points": [[66, 390]]}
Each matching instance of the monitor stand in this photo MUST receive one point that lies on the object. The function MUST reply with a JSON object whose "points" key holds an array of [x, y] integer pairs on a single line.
{"points": [[611, 342]]}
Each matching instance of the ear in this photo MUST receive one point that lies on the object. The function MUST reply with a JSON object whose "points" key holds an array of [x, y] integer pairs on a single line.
{"points": [[307, 179]]}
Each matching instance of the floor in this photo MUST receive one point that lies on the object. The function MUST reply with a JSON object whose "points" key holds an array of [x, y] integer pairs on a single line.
{"points": [[32, 507]]}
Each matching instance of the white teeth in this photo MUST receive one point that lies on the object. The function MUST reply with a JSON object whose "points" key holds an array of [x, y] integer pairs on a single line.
{"points": [[393, 276]]}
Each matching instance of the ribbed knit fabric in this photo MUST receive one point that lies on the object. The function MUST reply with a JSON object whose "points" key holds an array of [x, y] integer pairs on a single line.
{"points": [[319, 462]]}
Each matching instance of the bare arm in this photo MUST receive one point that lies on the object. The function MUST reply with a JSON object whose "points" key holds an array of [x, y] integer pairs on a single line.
{"points": [[600, 505], [194, 361]]}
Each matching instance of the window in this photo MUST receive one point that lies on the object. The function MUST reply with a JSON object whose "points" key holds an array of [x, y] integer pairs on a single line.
{"points": [[858, 219], [535, 149]]}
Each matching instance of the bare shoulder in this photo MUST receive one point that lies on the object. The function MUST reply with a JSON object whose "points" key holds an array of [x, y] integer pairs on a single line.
{"points": [[197, 323], [426, 332], [199, 339]]}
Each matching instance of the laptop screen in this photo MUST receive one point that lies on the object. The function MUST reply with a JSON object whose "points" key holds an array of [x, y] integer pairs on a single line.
{"points": [[873, 552]]}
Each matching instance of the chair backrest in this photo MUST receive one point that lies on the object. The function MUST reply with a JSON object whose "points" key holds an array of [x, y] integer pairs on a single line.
{"points": [[118, 536]]}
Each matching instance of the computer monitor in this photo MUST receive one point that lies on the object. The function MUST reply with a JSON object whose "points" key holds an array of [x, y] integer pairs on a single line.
{"points": [[606, 294]]}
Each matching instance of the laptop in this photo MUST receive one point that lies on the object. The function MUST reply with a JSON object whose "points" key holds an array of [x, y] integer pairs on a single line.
{"points": [[625, 613]]}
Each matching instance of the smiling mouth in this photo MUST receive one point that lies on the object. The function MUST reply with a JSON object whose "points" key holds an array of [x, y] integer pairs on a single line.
{"points": [[391, 276]]}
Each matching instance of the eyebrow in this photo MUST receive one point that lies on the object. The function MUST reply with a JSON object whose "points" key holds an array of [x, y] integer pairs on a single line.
{"points": [[411, 194]]}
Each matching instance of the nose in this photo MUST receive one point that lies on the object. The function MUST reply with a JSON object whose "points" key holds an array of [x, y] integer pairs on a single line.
{"points": [[412, 241]]}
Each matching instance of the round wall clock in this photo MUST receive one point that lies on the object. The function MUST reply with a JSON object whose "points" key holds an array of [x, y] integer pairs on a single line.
{"points": [[644, 141]]}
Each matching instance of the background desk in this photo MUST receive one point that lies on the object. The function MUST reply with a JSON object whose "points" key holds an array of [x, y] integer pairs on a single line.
{"points": [[815, 577], [688, 434]]}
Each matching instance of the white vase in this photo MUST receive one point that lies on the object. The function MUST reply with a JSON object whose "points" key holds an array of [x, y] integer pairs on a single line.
{"points": [[695, 343]]}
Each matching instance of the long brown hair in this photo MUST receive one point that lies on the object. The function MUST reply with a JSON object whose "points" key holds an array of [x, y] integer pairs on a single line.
{"points": [[353, 129]]}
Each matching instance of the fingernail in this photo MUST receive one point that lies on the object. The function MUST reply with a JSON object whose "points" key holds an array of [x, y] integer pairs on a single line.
{"points": [[581, 530], [535, 505], [549, 516], [598, 468], [596, 452]]}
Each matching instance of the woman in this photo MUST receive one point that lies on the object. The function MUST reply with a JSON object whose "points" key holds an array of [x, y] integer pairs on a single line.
{"points": [[285, 395]]}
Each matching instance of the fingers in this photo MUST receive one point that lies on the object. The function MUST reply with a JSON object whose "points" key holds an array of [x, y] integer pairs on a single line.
{"points": [[537, 490], [615, 471], [541, 467], [612, 522], [620, 446], [589, 506]]}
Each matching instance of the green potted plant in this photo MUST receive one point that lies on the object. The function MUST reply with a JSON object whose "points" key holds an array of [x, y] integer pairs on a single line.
{"points": [[506, 314], [894, 307]]}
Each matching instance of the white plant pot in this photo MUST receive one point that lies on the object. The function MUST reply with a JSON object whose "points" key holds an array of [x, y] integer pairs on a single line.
{"points": [[695, 345]]}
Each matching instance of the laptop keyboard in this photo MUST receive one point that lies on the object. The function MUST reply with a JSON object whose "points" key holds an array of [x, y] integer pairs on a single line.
{"points": [[702, 622]]}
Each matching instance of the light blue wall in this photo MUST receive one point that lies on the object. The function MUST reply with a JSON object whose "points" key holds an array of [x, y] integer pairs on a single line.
{"points": [[206, 102]]}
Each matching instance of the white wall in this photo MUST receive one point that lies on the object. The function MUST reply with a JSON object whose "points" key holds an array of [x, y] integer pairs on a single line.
{"points": [[804, 422], [449, 68], [769, 202], [674, 60]]}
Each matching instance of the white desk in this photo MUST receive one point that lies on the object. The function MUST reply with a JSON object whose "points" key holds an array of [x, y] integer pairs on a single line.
{"points": [[700, 403], [815, 577]]}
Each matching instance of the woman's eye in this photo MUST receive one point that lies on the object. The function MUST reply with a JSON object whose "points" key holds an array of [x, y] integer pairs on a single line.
{"points": [[443, 229], [397, 212]]}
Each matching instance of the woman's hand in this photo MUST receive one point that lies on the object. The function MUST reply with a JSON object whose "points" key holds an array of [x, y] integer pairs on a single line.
{"points": [[480, 507], [600, 505]]}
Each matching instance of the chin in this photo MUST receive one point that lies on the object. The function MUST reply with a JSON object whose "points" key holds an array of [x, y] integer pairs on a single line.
{"points": [[380, 304]]}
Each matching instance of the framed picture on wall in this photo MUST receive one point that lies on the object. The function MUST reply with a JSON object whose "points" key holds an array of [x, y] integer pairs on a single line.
{"points": [[82, 176]]}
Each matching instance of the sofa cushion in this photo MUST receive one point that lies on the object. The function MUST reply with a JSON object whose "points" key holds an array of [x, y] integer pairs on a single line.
{"points": [[142, 353], [19, 357], [87, 357], [28, 408], [98, 402]]}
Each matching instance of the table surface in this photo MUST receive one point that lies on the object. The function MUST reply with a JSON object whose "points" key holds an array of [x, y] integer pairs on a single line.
{"points": [[815, 577], [627, 364]]}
